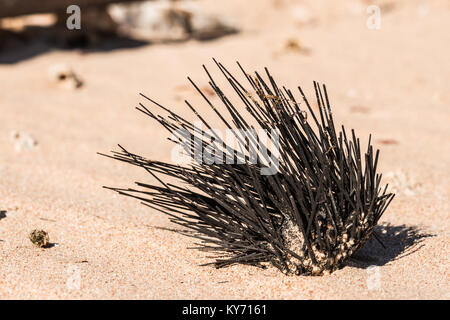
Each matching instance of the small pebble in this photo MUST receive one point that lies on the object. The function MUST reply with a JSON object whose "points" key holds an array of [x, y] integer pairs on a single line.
{"points": [[23, 141], [39, 238], [65, 76]]}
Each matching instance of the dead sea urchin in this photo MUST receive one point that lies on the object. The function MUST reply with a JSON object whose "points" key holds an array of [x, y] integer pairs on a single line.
{"points": [[319, 205]]}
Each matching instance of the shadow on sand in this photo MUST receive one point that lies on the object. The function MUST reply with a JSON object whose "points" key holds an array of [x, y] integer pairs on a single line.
{"points": [[400, 241], [16, 46], [33, 41]]}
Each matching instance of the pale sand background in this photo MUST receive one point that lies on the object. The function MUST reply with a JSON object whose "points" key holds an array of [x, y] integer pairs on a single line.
{"points": [[391, 82]]}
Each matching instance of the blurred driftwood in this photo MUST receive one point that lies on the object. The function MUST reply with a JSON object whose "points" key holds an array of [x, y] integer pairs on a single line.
{"points": [[12, 8]]}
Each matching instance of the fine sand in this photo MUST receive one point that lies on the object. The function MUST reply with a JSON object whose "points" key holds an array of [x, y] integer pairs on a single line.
{"points": [[392, 82]]}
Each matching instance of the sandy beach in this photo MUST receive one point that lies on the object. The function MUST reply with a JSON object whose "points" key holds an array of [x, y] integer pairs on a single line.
{"points": [[390, 82]]}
